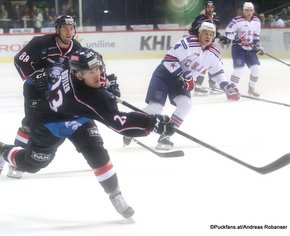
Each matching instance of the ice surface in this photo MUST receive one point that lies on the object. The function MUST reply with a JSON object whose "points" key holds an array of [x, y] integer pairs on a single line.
{"points": [[176, 196]]}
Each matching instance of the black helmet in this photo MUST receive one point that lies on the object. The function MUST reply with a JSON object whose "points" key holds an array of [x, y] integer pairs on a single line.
{"points": [[64, 19], [85, 58], [208, 3]]}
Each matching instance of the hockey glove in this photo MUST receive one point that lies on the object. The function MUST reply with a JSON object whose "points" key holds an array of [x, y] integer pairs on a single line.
{"points": [[224, 40], [39, 79], [230, 90], [163, 125], [53, 73], [258, 48], [240, 39], [113, 86], [187, 84]]}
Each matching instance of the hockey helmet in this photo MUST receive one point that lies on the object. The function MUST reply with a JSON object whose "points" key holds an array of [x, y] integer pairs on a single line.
{"points": [[85, 58], [208, 26], [209, 3], [248, 5], [64, 20]]}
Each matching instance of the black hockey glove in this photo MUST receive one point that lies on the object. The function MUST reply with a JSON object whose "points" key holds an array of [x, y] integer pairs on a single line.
{"points": [[113, 86], [230, 90], [54, 72], [39, 79], [224, 40], [186, 84], [163, 125], [257, 47]]}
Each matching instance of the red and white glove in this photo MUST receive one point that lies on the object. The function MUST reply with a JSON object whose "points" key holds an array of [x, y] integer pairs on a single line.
{"points": [[230, 90], [240, 39], [187, 84]]}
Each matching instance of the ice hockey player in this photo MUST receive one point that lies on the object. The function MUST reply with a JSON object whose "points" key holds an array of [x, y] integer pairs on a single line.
{"points": [[245, 32], [208, 16], [40, 54], [79, 92], [175, 76]]}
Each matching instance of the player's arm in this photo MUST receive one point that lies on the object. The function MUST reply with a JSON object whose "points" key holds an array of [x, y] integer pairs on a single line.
{"points": [[231, 30], [177, 55], [195, 25], [133, 124], [25, 59], [216, 73]]}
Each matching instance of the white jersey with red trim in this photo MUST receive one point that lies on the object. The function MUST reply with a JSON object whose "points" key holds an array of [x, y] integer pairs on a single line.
{"points": [[188, 58], [250, 29]]}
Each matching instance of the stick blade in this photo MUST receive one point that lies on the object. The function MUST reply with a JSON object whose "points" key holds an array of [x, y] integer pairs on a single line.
{"points": [[178, 153], [275, 165]]}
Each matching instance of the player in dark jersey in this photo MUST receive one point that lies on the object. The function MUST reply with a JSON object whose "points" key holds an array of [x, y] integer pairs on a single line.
{"points": [[35, 59], [74, 98], [208, 16]]}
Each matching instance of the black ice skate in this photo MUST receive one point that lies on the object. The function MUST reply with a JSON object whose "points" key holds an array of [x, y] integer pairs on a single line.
{"points": [[252, 92], [164, 143], [120, 205]]}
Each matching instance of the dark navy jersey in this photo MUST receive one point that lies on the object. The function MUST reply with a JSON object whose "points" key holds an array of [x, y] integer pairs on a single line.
{"points": [[69, 99], [199, 20], [42, 52]]}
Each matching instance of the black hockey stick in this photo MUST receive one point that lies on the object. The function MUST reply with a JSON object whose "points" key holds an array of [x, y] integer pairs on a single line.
{"points": [[264, 100], [277, 59], [275, 165], [257, 99], [177, 153]]}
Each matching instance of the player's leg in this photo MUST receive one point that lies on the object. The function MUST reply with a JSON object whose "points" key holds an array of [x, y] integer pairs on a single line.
{"points": [[38, 153], [238, 57], [89, 142], [254, 65], [31, 97], [2, 162], [199, 89]]}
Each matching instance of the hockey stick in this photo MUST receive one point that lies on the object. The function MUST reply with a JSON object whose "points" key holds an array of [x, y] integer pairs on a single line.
{"points": [[277, 59], [177, 153], [275, 165], [257, 99], [264, 100]]}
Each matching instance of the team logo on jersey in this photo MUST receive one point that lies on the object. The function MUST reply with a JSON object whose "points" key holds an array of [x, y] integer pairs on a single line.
{"points": [[74, 125]]}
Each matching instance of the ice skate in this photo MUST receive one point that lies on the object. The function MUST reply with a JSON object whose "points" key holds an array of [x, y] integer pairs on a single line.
{"points": [[199, 90], [14, 173], [126, 141], [214, 89], [164, 143], [2, 161], [120, 205], [252, 92]]}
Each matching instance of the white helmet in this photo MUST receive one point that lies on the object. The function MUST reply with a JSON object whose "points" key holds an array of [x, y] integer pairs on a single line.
{"points": [[248, 5], [207, 26]]}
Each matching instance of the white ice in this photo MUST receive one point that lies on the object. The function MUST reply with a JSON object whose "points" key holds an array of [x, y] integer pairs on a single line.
{"points": [[175, 196]]}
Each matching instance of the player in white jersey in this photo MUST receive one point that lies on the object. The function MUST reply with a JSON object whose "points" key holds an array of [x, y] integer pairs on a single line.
{"points": [[175, 76], [244, 31]]}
